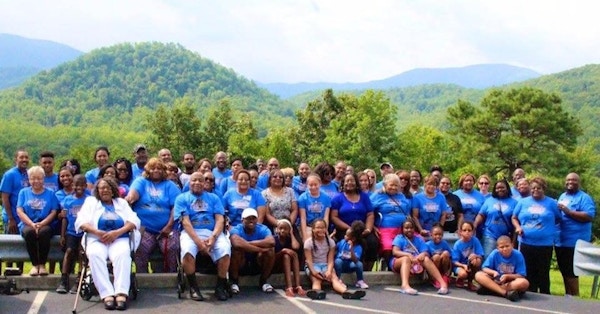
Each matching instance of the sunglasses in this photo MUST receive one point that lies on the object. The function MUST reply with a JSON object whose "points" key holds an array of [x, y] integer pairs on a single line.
{"points": [[209, 179], [484, 183]]}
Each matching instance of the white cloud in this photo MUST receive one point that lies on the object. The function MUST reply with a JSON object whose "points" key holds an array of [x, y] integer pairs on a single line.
{"points": [[327, 40]]}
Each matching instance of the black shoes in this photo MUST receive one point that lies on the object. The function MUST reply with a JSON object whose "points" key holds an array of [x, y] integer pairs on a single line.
{"points": [[221, 293], [196, 295], [109, 303], [316, 294], [62, 288], [512, 295], [354, 295]]}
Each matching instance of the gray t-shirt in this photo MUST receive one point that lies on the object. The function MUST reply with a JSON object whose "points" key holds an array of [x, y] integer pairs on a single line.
{"points": [[320, 254]]}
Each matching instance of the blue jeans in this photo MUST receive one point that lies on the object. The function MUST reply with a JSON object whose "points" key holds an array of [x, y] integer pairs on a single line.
{"points": [[489, 244], [347, 266]]}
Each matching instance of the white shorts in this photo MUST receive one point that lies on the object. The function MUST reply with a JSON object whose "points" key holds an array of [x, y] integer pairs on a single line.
{"points": [[222, 246]]}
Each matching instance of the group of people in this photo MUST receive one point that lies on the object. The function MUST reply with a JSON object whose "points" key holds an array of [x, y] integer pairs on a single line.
{"points": [[330, 219]]}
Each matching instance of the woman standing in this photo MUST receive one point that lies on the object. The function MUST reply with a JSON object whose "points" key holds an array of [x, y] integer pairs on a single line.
{"points": [[280, 200], [415, 182], [535, 220], [495, 215], [37, 208], [393, 208], [101, 156], [241, 197], [470, 199], [483, 185], [364, 183], [107, 221], [124, 175], [429, 207], [349, 205], [153, 198]]}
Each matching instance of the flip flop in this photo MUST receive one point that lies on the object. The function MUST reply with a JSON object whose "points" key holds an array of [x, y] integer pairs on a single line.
{"points": [[409, 291]]}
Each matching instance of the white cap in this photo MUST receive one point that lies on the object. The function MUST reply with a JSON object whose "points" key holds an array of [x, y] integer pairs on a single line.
{"points": [[249, 212]]}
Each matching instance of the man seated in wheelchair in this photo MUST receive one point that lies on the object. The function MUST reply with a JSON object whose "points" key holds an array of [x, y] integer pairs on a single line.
{"points": [[107, 221], [201, 216], [253, 251]]}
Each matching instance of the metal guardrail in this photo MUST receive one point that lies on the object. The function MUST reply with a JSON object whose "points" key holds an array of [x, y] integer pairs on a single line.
{"points": [[586, 262]]}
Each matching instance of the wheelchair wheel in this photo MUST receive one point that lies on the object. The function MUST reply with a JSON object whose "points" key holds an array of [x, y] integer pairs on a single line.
{"points": [[133, 287], [181, 284], [87, 290]]}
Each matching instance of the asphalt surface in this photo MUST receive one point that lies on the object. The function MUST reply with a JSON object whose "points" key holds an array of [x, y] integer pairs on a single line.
{"points": [[379, 299]]}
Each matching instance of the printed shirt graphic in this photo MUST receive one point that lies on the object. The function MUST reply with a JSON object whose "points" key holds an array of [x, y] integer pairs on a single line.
{"points": [[538, 220], [155, 202]]}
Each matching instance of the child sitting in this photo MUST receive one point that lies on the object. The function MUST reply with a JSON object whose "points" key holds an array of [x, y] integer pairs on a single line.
{"points": [[411, 255], [503, 272], [466, 256], [441, 254], [349, 252], [286, 258], [320, 251]]}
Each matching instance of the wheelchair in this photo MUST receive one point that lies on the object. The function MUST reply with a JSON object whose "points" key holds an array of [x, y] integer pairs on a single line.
{"points": [[86, 288]]}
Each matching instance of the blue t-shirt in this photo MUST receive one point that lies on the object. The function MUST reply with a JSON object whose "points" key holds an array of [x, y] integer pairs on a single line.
{"points": [[430, 209], [36, 206], [260, 232], [417, 247], [234, 203], [348, 212], [393, 208], [314, 207], [201, 209], [71, 206], [331, 189], [110, 220], [221, 175], [226, 185], [439, 248], [513, 264], [155, 202], [471, 203], [51, 182], [299, 185], [497, 213], [343, 250], [572, 230], [538, 220], [136, 171], [462, 250], [13, 181], [92, 176], [62, 194]]}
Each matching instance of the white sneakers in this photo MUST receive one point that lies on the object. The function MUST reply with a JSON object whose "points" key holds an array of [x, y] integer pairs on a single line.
{"points": [[361, 284]]}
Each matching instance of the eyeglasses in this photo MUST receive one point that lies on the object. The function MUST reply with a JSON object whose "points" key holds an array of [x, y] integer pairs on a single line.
{"points": [[484, 183], [404, 178], [277, 177]]}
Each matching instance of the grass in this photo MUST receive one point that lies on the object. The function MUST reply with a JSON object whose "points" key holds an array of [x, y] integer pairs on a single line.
{"points": [[585, 285]]}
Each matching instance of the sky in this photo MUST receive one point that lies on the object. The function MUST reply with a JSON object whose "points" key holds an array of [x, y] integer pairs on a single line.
{"points": [[337, 41]]}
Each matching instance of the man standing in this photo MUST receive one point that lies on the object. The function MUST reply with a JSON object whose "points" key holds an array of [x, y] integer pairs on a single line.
{"points": [[165, 155], [140, 154], [263, 178], [578, 211], [340, 173], [253, 251], [517, 175], [220, 171], [189, 166], [202, 217], [384, 169], [13, 181], [50, 178]]}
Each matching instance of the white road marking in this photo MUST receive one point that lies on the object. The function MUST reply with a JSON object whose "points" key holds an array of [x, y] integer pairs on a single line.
{"points": [[346, 306], [484, 302], [37, 302], [297, 303]]}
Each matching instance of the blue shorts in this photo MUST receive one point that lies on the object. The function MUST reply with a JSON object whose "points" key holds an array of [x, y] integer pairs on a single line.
{"points": [[319, 267]]}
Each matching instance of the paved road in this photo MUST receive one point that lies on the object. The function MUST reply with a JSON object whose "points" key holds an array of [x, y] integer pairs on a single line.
{"points": [[379, 299]]}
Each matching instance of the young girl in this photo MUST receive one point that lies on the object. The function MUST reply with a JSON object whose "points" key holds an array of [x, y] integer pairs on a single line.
{"points": [[441, 253], [466, 256], [286, 258], [349, 252], [410, 253], [312, 205], [319, 251], [69, 238]]}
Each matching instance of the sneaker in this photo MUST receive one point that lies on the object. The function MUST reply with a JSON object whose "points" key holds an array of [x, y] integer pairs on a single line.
{"points": [[267, 288], [196, 295], [73, 289], [484, 291], [512, 295], [62, 288], [316, 294], [361, 284], [460, 283], [235, 289], [354, 295]]}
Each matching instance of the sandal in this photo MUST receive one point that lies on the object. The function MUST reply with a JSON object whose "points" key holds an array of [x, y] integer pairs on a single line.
{"points": [[289, 292], [109, 303], [300, 291], [267, 288]]}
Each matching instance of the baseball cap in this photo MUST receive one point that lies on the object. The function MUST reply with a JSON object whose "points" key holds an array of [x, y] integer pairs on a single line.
{"points": [[249, 212], [386, 164], [138, 147]]}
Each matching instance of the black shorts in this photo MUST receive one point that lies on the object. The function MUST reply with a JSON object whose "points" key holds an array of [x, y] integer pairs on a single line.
{"points": [[564, 257], [73, 242]]}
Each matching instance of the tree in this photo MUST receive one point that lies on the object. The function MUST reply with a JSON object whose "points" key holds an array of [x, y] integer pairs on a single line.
{"points": [[243, 142], [217, 128], [512, 129]]}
